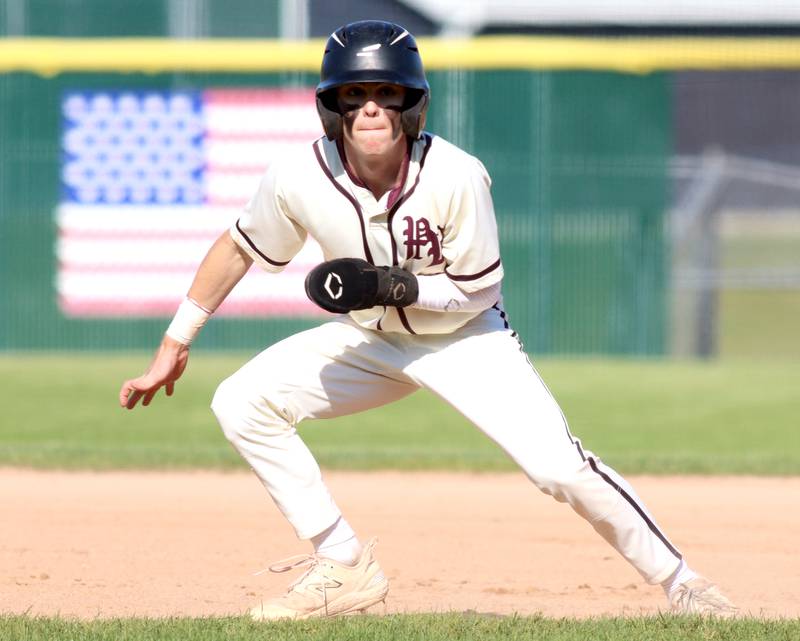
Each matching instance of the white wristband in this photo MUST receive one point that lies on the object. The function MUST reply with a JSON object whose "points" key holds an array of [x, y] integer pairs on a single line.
{"points": [[188, 321]]}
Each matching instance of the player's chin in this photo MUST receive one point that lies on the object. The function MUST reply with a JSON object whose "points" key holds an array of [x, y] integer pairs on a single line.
{"points": [[375, 141]]}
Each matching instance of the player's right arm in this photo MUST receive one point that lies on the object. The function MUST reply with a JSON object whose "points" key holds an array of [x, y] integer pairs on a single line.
{"points": [[224, 266]]}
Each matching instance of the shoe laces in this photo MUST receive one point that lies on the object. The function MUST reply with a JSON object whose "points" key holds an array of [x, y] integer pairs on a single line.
{"points": [[706, 595], [312, 562]]}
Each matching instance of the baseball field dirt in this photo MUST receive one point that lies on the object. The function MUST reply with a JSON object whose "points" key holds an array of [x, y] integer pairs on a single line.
{"points": [[150, 544]]}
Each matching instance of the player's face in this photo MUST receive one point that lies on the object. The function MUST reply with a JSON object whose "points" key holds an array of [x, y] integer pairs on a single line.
{"points": [[371, 113]]}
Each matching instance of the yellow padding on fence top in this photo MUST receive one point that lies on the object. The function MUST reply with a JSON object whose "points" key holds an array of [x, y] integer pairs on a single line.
{"points": [[49, 56]]}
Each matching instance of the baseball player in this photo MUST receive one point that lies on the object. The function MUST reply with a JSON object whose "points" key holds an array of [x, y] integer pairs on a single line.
{"points": [[412, 265]]}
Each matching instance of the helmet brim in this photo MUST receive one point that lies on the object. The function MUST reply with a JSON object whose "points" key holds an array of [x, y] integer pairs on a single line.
{"points": [[371, 75]]}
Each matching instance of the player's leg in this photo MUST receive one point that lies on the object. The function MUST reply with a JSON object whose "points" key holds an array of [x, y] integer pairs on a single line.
{"points": [[486, 376], [332, 370]]}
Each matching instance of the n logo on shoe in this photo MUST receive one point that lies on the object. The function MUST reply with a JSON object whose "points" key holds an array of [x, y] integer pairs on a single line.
{"points": [[328, 585]]}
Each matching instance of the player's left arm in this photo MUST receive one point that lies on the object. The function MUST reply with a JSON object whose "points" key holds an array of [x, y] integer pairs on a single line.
{"points": [[346, 284], [470, 243], [473, 269]]}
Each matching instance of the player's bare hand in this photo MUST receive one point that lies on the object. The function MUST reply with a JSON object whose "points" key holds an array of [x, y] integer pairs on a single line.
{"points": [[166, 368]]}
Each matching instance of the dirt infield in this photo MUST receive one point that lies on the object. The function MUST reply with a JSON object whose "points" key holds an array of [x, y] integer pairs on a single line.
{"points": [[155, 544]]}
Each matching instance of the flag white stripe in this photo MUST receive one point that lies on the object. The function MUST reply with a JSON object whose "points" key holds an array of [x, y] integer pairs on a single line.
{"points": [[279, 121]]}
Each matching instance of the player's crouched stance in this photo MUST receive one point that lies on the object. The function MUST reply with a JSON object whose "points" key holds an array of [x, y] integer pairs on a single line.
{"points": [[406, 224]]}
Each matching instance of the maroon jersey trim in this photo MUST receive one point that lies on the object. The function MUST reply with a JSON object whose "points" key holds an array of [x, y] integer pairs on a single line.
{"points": [[326, 170], [350, 173], [400, 200], [405, 196], [490, 268], [395, 193], [258, 251], [404, 319]]}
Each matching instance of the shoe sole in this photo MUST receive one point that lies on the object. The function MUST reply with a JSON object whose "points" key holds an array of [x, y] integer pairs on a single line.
{"points": [[349, 604]]}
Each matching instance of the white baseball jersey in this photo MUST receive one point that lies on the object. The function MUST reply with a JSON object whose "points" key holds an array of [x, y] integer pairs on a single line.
{"points": [[441, 219]]}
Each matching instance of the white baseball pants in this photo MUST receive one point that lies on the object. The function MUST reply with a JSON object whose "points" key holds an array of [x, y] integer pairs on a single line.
{"points": [[340, 368]]}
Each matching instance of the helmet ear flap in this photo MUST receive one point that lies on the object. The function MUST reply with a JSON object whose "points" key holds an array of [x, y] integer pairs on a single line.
{"points": [[331, 120], [413, 118]]}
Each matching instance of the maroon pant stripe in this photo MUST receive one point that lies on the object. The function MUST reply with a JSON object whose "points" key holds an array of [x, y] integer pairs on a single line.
{"points": [[635, 506]]}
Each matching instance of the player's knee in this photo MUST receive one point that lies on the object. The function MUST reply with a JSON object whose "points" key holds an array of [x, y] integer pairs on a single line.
{"points": [[228, 407], [242, 412], [563, 484]]}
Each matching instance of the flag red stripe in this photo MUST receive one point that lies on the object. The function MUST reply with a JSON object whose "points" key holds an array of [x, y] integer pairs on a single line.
{"points": [[282, 96], [189, 268], [167, 307], [221, 137], [131, 235]]}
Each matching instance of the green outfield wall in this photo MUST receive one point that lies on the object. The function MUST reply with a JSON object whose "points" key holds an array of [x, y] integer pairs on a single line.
{"points": [[577, 133], [578, 161]]}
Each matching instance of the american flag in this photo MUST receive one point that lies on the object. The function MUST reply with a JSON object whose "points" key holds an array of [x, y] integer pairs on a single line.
{"points": [[150, 179]]}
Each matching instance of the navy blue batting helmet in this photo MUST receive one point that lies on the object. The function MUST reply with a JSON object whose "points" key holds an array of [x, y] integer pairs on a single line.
{"points": [[372, 51]]}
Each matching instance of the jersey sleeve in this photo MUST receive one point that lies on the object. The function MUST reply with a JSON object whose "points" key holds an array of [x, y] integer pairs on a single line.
{"points": [[470, 246], [266, 230]]}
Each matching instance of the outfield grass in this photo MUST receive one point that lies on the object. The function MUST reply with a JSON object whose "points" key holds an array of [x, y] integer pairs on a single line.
{"points": [[726, 417], [422, 627], [759, 323]]}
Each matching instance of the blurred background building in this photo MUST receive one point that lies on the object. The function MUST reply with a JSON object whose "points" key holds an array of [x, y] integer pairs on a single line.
{"points": [[643, 211], [317, 18]]}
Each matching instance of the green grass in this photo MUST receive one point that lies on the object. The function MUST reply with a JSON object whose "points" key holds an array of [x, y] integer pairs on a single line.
{"points": [[772, 248], [759, 323], [422, 627], [726, 417]]}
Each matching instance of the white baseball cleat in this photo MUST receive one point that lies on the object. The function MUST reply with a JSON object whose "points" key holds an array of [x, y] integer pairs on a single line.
{"points": [[327, 588], [701, 596]]}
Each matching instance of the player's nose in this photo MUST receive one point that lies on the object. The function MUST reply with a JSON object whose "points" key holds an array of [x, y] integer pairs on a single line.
{"points": [[371, 107]]}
